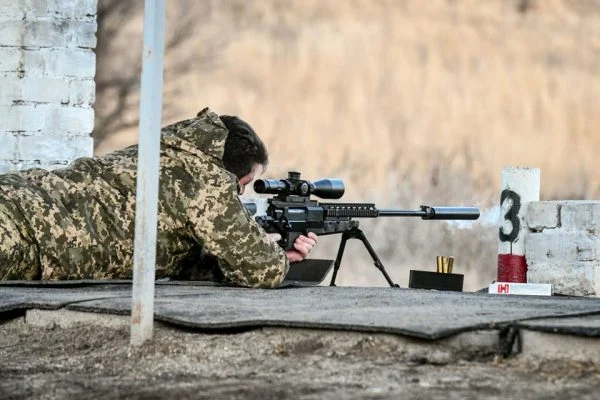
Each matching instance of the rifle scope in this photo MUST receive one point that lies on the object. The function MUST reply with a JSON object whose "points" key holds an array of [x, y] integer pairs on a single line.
{"points": [[294, 186]]}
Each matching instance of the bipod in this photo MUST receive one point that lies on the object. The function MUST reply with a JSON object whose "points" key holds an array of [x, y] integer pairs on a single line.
{"points": [[358, 234]]}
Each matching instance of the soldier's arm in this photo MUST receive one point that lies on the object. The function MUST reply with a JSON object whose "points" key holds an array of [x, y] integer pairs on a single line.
{"points": [[224, 229]]}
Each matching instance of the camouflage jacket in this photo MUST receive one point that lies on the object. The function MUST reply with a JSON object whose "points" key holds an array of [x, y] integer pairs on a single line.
{"points": [[81, 218]]}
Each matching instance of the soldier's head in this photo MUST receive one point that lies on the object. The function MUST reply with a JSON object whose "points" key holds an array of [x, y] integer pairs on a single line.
{"points": [[244, 152]]}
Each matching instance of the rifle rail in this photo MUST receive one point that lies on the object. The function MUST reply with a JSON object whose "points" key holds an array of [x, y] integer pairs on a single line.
{"points": [[350, 210], [368, 210]]}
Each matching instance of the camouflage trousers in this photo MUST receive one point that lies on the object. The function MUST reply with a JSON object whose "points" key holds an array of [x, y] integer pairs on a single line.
{"points": [[19, 258]]}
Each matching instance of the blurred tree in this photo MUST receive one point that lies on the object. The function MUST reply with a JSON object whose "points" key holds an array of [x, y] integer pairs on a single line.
{"points": [[114, 91], [118, 58]]}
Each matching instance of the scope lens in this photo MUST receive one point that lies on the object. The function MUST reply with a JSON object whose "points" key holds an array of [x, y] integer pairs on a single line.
{"points": [[328, 188]]}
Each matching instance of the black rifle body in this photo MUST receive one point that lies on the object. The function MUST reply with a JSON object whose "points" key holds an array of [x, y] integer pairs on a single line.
{"points": [[292, 213], [292, 216]]}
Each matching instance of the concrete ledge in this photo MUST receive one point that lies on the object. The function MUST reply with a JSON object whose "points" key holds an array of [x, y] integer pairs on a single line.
{"points": [[481, 344], [571, 279], [552, 346], [465, 346], [67, 319], [477, 345]]}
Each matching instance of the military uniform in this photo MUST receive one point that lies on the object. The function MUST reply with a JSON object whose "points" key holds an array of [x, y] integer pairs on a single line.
{"points": [[78, 222]]}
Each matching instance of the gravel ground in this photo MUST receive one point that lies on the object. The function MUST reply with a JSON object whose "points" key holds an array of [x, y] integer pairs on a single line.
{"points": [[88, 362]]}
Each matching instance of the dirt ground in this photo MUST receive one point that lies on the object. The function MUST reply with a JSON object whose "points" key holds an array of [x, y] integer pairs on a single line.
{"points": [[88, 362]]}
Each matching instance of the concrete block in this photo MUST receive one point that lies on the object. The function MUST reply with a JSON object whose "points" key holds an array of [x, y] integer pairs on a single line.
{"points": [[7, 166], [44, 90], [50, 148], [20, 165], [86, 8], [49, 165], [67, 318], [82, 92], [538, 347], [28, 9], [36, 9], [72, 62], [22, 118], [63, 8], [569, 278], [542, 215], [13, 10], [31, 33], [48, 33], [82, 34], [581, 216], [561, 246], [73, 8], [52, 119], [46, 62], [75, 120], [10, 59], [8, 149], [10, 90]]}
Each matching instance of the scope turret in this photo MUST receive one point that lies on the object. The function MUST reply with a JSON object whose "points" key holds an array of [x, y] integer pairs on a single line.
{"points": [[294, 186]]}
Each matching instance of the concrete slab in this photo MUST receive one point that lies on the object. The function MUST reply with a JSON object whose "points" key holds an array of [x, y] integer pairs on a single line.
{"points": [[549, 346], [67, 319], [464, 346]]}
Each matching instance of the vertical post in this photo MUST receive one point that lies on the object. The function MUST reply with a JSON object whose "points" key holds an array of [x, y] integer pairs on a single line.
{"points": [[519, 187], [148, 167]]}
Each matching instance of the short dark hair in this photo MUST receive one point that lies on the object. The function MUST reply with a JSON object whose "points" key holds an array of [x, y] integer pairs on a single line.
{"points": [[243, 147]]}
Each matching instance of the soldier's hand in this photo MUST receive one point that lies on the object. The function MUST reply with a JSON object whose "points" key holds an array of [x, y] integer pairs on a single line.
{"points": [[274, 237], [302, 247]]}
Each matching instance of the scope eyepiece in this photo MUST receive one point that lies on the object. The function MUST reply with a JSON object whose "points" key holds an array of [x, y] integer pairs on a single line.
{"points": [[272, 186], [294, 186]]}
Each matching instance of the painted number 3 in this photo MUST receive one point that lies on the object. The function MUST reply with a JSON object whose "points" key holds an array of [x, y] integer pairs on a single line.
{"points": [[511, 215]]}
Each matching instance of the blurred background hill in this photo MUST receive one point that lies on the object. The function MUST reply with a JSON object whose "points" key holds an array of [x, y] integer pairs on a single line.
{"points": [[409, 102]]}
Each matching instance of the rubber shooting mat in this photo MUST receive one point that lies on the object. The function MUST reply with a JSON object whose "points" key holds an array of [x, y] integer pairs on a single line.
{"points": [[418, 313], [52, 295]]}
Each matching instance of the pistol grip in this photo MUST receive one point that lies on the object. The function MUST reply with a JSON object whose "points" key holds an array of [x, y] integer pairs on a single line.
{"points": [[288, 239]]}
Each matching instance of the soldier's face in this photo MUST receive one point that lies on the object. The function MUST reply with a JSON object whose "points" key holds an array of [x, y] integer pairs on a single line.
{"points": [[246, 179]]}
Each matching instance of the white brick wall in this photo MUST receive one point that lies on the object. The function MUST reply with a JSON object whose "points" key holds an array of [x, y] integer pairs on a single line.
{"points": [[47, 69], [562, 246]]}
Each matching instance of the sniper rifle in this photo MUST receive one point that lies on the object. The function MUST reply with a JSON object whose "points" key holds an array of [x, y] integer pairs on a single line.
{"points": [[291, 213]]}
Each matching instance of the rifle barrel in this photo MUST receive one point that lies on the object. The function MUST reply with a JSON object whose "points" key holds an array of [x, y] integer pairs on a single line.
{"points": [[401, 213], [453, 213]]}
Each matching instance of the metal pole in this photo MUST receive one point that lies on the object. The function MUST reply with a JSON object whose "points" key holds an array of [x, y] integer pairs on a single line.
{"points": [[148, 167]]}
